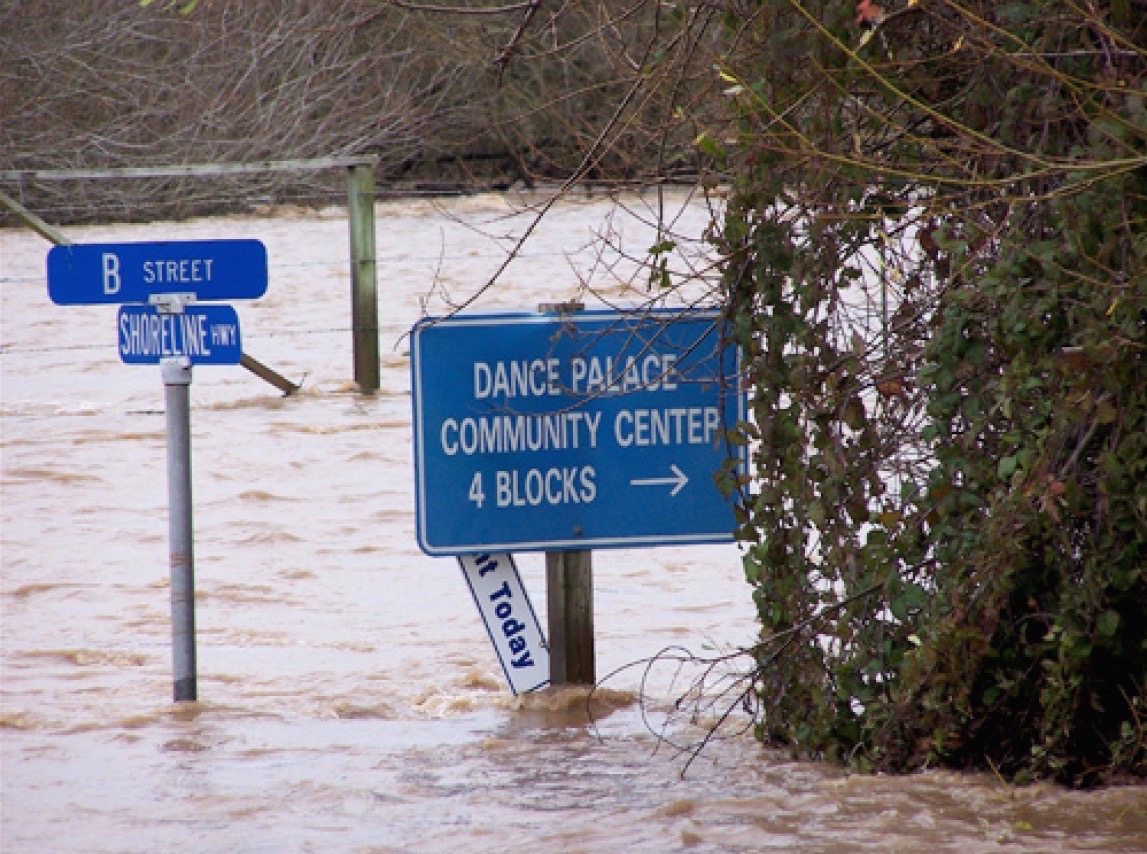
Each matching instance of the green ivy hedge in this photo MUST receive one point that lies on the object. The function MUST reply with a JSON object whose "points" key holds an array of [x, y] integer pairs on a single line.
{"points": [[936, 264]]}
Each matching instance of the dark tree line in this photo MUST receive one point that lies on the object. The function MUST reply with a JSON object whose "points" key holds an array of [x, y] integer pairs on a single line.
{"points": [[446, 101]]}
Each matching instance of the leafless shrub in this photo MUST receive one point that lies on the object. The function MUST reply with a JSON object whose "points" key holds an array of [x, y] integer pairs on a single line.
{"points": [[605, 90], [100, 84]]}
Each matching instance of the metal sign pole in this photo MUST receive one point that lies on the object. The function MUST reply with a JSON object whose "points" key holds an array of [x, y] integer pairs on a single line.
{"points": [[154, 283], [177, 397]]}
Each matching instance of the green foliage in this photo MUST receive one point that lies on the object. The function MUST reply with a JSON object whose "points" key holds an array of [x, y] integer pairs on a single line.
{"points": [[936, 263]]}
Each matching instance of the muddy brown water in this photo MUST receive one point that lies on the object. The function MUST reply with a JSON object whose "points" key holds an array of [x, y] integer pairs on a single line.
{"points": [[349, 698]]}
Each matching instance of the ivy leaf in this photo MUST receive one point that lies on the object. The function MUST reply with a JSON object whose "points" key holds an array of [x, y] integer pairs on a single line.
{"points": [[1107, 623], [976, 353], [890, 518], [854, 414], [1105, 413]]}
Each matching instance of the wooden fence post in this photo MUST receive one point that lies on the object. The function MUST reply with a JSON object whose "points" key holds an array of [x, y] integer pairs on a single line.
{"points": [[364, 277]]}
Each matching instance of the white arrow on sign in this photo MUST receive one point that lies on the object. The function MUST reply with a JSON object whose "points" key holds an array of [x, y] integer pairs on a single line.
{"points": [[678, 478]]}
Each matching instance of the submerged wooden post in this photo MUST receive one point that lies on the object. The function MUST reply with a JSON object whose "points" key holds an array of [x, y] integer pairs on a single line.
{"points": [[264, 373], [569, 608], [364, 276], [46, 231]]}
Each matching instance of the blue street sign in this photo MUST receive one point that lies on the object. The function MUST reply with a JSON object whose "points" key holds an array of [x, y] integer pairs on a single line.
{"points": [[205, 334], [598, 429], [95, 273]]}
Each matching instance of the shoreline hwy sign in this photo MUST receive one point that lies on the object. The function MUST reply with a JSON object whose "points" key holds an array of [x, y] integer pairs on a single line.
{"points": [[96, 273], [205, 334], [547, 432]]}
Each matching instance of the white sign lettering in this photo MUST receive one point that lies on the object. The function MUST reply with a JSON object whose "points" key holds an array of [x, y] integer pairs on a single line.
{"points": [[186, 271], [502, 381], [112, 281], [163, 335]]}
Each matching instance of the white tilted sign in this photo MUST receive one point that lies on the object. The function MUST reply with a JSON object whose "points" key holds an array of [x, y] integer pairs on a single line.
{"points": [[510, 620]]}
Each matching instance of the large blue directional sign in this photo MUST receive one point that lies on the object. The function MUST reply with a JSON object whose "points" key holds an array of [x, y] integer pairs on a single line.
{"points": [[95, 273], [595, 429], [205, 334]]}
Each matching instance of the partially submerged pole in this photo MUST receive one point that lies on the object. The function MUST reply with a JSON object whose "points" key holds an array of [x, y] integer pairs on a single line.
{"points": [[177, 397], [264, 373], [364, 277], [569, 595], [569, 612], [46, 231]]}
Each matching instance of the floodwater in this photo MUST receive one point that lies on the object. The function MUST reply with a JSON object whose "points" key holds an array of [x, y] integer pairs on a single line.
{"points": [[349, 699]]}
